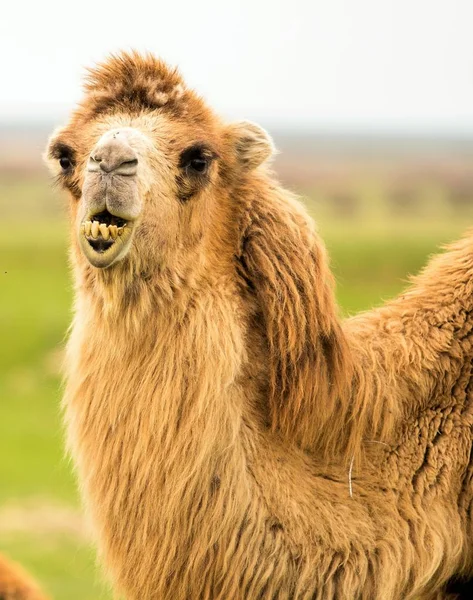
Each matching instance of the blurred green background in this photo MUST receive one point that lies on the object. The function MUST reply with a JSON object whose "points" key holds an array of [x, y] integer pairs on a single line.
{"points": [[382, 207]]}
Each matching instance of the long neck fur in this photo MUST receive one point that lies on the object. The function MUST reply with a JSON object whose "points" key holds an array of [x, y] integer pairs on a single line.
{"points": [[164, 404], [155, 420]]}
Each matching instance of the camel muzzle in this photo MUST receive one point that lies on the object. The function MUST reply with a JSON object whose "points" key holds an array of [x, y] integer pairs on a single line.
{"points": [[111, 199]]}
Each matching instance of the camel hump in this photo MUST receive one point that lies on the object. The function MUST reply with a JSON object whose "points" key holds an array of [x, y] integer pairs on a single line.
{"points": [[16, 584]]}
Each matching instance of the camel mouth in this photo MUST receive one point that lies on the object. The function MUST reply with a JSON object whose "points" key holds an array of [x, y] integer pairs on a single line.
{"points": [[105, 238]]}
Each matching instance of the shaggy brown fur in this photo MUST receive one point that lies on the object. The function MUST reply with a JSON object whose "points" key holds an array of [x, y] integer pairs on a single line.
{"points": [[16, 584], [233, 438]]}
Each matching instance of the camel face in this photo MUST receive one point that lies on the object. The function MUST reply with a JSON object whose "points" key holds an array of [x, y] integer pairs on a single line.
{"points": [[142, 192], [148, 166]]}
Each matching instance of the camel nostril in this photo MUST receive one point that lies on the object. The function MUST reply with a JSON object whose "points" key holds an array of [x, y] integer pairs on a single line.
{"points": [[124, 167], [115, 167], [113, 155]]}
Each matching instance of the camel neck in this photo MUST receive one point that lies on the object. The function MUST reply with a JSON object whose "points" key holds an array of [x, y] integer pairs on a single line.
{"points": [[157, 416]]}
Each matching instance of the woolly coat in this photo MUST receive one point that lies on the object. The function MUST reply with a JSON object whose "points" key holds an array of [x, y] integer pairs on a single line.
{"points": [[233, 437]]}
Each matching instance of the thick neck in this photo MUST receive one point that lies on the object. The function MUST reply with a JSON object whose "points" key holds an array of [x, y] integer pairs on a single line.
{"points": [[155, 416]]}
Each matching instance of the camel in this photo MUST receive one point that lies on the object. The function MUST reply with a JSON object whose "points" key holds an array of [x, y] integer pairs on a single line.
{"points": [[16, 584], [233, 436]]}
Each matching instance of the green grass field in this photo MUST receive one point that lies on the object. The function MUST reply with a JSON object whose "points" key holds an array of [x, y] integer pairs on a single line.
{"points": [[40, 522]]}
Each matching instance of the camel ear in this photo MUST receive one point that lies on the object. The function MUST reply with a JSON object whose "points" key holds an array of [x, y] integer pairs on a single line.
{"points": [[252, 143], [49, 159], [283, 263], [52, 151]]}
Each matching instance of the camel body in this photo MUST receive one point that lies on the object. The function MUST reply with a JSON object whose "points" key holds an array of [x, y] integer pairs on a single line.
{"points": [[193, 497], [233, 437]]}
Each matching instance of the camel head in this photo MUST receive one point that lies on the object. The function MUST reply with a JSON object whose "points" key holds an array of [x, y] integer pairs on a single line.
{"points": [[147, 165]]}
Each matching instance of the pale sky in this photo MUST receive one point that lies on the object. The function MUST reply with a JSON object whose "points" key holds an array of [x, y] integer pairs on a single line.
{"points": [[333, 64]]}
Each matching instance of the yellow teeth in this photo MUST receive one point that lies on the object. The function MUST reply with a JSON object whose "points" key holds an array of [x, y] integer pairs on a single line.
{"points": [[95, 229], [104, 231]]}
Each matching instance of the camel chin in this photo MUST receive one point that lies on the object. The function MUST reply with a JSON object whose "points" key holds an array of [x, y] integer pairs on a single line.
{"points": [[105, 238]]}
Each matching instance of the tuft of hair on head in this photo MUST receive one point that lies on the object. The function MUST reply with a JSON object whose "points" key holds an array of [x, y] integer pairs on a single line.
{"points": [[252, 144], [134, 81]]}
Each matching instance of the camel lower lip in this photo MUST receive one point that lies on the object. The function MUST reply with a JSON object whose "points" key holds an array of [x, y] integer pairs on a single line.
{"points": [[104, 239], [99, 244]]}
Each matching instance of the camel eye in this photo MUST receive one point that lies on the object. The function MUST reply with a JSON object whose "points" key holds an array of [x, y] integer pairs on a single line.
{"points": [[65, 163], [196, 159], [199, 164]]}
